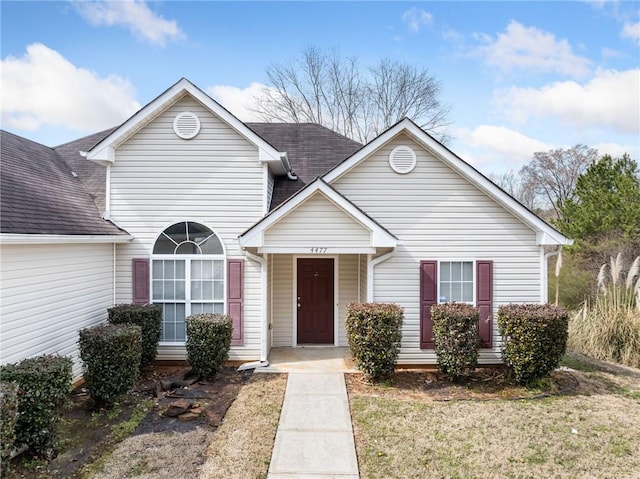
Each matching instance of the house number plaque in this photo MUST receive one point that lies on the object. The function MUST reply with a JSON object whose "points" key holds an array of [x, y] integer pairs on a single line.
{"points": [[318, 250]]}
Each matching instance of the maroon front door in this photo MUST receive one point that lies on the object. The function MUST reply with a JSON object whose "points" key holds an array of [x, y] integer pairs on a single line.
{"points": [[315, 301]]}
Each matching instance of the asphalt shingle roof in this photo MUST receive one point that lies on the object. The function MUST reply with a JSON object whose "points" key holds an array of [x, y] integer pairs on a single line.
{"points": [[312, 150], [92, 175], [40, 195]]}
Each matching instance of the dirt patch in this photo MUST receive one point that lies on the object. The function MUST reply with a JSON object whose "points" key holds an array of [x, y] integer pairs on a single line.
{"points": [[87, 434], [212, 398]]}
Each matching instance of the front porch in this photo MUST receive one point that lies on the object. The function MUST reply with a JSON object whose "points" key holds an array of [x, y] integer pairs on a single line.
{"points": [[309, 359], [308, 297]]}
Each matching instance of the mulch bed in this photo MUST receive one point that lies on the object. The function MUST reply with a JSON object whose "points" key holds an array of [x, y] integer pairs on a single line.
{"points": [[85, 431], [484, 385]]}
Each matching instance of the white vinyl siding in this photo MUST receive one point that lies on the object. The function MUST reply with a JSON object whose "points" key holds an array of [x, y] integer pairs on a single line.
{"points": [[282, 300], [363, 279], [317, 222], [214, 179], [270, 183], [438, 215], [50, 292], [347, 291]]}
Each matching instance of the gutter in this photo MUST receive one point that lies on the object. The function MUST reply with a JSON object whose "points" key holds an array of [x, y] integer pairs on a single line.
{"points": [[372, 263], [17, 238], [264, 327]]}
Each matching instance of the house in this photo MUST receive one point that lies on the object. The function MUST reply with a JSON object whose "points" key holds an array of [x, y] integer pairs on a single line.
{"points": [[278, 225]]}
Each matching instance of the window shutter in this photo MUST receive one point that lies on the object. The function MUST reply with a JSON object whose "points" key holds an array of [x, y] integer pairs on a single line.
{"points": [[428, 297], [235, 285], [140, 268], [484, 299]]}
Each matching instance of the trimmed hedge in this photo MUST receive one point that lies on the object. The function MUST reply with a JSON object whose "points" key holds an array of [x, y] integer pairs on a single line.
{"points": [[455, 333], [374, 331], [45, 383], [8, 417], [111, 355], [534, 339], [208, 343], [148, 317]]}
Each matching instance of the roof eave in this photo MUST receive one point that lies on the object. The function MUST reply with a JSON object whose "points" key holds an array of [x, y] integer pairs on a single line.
{"points": [[17, 238]]}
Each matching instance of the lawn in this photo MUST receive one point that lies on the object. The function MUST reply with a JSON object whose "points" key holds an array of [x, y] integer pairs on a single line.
{"points": [[592, 431]]}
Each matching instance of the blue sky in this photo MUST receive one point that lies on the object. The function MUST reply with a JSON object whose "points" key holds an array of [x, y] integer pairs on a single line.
{"points": [[519, 77]]}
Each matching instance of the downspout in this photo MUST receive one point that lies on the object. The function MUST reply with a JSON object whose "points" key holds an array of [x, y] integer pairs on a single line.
{"points": [[372, 264], [264, 327], [114, 274], [545, 273]]}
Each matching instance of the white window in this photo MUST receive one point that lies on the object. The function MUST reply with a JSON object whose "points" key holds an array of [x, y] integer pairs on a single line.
{"points": [[187, 276], [455, 282]]}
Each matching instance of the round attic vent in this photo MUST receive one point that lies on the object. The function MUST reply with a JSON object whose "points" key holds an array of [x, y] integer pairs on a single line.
{"points": [[186, 125], [402, 159]]}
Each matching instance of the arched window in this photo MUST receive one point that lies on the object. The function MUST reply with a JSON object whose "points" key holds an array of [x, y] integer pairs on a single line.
{"points": [[188, 276]]}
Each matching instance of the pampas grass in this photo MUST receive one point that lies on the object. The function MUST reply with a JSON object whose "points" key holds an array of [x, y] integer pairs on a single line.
{"points": [[608, 327]]}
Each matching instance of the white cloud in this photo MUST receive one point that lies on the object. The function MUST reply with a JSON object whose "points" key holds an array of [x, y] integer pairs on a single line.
{"points": [[44, 89], [416, 18], [531, 49], [611, 99], [632, 31], [616, 150], [495, 148], [239, 101], [135, 15]]}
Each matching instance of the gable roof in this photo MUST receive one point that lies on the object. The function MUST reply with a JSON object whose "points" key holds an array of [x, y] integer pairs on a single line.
{"points": [[545, 233], [104, 150], [41, 196], [312, 151], [381, 237]]}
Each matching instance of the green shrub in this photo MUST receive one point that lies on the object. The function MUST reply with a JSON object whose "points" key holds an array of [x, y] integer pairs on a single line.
{"points": [[208, 343], [8, 418], [44, 382], [149, 318], [534, 339], [111, 355], [374, 331], [455, 332]]}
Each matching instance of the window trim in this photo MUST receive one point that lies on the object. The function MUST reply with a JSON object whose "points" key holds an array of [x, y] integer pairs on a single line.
{"points": [[473, 272]]}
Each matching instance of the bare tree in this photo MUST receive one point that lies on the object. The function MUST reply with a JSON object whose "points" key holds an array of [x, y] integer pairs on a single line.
{"points": [[552, 175], [511, 182], [358, 102]]}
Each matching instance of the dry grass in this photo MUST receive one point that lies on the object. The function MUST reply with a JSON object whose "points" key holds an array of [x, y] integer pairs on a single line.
{"points": [[241, 447], [159, 455], [591, 433]]}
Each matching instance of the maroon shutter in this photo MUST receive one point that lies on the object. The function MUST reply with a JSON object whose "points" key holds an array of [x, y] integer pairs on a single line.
{"points": [[484, 301], [235, 276], [428, 297], [140, 282]]}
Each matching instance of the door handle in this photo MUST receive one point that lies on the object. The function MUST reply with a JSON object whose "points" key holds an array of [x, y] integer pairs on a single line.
{"points": [[298, 305]]}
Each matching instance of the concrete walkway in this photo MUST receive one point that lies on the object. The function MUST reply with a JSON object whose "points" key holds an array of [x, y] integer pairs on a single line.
{"points": [[314, 438]]}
